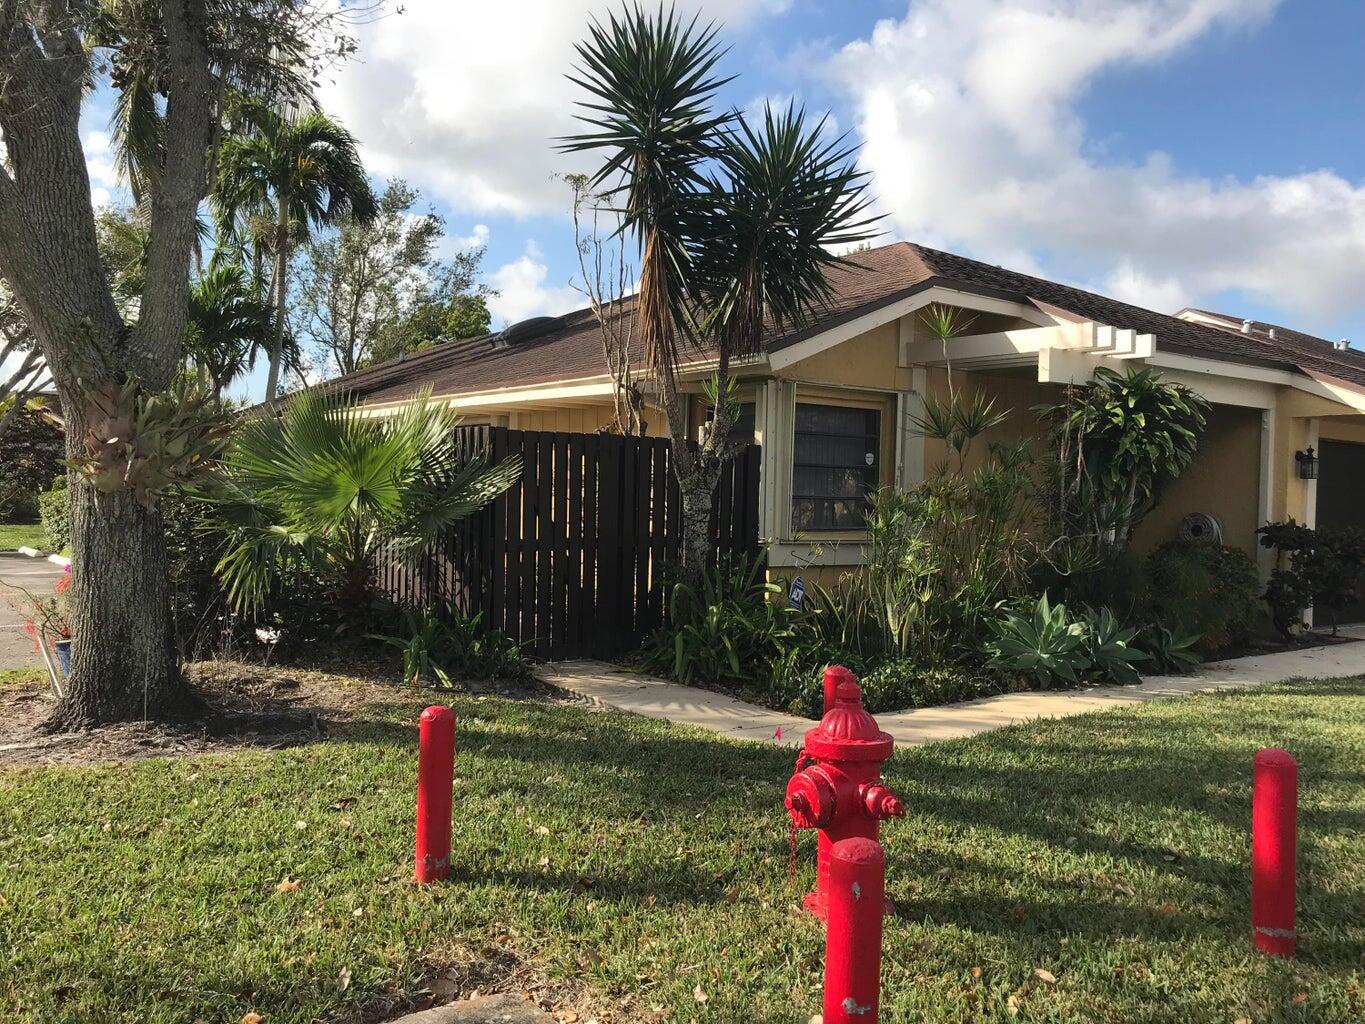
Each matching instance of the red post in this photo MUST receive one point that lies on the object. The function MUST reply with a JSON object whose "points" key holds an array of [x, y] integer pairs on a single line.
{"points": [[435, 780], [853, 932], [1274, 838], [834, 675]]}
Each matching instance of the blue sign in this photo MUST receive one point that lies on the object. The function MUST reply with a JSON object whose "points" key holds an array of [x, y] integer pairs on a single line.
{"points": [[797, 592]]}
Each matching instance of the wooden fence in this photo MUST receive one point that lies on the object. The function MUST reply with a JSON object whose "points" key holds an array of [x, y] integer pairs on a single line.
{"points": [[572, 561]]}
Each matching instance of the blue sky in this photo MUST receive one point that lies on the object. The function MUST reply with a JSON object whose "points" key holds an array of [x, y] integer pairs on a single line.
{"points": [[1168, 152]]}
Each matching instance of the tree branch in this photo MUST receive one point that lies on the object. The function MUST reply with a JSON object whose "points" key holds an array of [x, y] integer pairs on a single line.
{"points": [[161, 329]]}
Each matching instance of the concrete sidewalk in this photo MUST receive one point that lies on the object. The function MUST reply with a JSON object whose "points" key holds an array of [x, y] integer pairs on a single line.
{"points": [[613, 687]]}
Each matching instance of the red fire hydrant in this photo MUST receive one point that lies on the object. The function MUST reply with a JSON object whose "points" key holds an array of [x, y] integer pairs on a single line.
{"points": [[837, 786]]}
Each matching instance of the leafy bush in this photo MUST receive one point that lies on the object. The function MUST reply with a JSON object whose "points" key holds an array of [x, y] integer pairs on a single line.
{"points": [[205, 622], [1209, 589], [18, 502], [1318, 569], [327, 487], [728, 631], [1048, 643], [907, 683], [31, 452], [54, 508], [1118, 442], [440, 646]]}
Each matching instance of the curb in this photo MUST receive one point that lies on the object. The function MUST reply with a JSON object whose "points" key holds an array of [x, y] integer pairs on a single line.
{"points": [[61, 560]]}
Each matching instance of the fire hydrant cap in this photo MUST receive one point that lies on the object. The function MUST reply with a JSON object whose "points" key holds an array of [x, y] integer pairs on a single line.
{"points": [[848, 732]]}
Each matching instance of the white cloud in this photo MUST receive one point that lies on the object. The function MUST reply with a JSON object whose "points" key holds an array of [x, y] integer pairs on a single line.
{"points": [[522, 291], [99, 163], [466, 100], [968, 109]]}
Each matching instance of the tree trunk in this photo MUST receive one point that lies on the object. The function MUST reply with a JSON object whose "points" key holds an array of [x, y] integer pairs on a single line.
{"points": [[119, 548], [281, 296]]}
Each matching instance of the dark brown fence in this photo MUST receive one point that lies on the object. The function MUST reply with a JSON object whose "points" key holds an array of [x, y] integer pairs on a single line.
{"points": [[572, 561]]}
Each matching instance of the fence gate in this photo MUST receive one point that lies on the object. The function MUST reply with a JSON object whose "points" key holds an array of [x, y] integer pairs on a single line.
{"points": [[572, 560]]}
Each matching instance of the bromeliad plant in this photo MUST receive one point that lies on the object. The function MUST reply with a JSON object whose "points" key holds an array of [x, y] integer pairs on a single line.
{"points": [[328, 485]]}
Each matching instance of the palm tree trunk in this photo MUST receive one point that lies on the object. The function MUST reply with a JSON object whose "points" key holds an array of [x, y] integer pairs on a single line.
{"points": [[281, 297]]}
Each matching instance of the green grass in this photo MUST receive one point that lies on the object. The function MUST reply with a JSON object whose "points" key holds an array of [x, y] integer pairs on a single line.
{"points": [[21, 676], [16, 535], [1110, 850]]}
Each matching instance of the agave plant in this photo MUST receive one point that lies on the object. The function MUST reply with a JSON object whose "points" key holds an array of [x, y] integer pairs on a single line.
{"points": [[1109, 646], [1172, 651], [332, 487], [1047, 643]]}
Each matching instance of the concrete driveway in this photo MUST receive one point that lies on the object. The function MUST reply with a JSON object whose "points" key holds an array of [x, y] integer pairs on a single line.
{"points": [[36, 575]]}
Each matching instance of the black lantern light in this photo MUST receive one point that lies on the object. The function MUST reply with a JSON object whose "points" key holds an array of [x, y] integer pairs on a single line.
{"points": [[1308, 464]]}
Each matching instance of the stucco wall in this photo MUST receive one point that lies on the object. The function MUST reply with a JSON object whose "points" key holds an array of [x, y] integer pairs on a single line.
{"points": [[1224, 479]]}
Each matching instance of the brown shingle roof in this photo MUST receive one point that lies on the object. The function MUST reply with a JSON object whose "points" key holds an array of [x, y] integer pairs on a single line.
{"points": [[572, 348]]}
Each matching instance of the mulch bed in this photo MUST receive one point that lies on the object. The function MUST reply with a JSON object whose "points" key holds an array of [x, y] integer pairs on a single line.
{"points": [[248, 706]]}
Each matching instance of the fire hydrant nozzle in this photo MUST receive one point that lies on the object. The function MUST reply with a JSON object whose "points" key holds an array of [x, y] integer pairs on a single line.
{"points": [[839, 790], [881, 803]]}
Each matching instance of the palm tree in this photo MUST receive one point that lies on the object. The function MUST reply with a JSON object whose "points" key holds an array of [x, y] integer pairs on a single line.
{"points": [[229, 324], [330, 487], [283, 180], [734, 224]]}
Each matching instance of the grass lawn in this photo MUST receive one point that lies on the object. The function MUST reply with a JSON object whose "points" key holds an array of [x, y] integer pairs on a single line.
{"points": [[17, 535], [1110, 850]]}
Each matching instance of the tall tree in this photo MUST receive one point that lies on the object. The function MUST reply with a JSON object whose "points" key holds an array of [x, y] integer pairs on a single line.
{"points": [[736, 225], [376, 288], [282, 181], [110, 369]]}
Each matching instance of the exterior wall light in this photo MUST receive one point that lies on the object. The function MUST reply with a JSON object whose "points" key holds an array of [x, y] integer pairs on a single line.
{"points": [[1308, 464]]}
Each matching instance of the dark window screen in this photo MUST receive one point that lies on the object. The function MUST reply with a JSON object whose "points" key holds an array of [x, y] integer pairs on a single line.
{"points": [[834, 466]]}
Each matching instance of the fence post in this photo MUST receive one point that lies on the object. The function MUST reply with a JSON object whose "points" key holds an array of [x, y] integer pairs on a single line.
{"points": [[1274, 838], [435, 782], [853, 932]]}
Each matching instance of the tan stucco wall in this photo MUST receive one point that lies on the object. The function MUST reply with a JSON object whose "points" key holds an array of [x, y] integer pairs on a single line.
{"points": [[581, 419], [1224, 479]]}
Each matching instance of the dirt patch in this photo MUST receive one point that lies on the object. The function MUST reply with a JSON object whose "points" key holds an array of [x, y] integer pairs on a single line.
{"points": [[247, 706], [455, 974]]}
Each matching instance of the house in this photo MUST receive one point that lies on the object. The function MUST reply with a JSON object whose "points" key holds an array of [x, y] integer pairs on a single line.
{"points": [[832, 403]]}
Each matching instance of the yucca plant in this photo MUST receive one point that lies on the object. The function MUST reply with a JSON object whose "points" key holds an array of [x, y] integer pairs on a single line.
{"points": [[330, 485]]}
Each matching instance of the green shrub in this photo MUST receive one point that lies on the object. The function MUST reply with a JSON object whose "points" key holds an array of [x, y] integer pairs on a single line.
{"points": [[441, 646], [1317, 568], [31, 452], [18, 502], [1209, 589], [54, 508], [735, 629]]}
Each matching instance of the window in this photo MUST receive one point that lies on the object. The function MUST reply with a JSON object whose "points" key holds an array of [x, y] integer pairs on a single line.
{"points": [[741, 428], [834, 466]]}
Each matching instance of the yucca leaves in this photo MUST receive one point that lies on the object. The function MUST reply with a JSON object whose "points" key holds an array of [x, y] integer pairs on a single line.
{"points": [[331, 483]]}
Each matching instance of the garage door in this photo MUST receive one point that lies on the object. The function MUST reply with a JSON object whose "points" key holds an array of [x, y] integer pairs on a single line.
{"points": [[1341, 500]]}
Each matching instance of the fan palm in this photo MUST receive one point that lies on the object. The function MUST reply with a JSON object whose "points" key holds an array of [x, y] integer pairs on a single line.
{"points": [[326, 485], [734, 224], [280, 182]]}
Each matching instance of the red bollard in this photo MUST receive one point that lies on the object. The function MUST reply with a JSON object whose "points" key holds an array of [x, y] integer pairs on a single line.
{"points": [[834, 675], [853, 932], [1274, 838], [435, 781]]}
